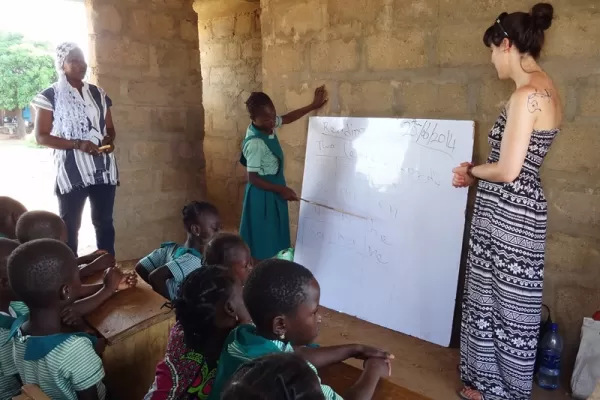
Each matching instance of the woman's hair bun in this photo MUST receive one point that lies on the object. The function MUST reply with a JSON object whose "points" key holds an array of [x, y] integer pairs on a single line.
{"points": [[542, 14]]}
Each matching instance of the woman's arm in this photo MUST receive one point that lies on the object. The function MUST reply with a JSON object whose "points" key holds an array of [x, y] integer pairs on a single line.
{"points": [[515, 141], [43, 127], [319, 101], [111, 134]]}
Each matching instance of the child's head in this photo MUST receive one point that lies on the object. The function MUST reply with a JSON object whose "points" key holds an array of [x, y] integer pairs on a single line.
{"points": [[279, 376], [229, 250], [41, 225], [210, 300], [262, 111], [43, 273], [10, 212], [282, 298], [7, 246], [201, 219]]}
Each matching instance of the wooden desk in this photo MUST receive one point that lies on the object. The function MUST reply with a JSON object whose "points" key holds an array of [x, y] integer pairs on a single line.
{"points": [[342, 376], [136, 328]]}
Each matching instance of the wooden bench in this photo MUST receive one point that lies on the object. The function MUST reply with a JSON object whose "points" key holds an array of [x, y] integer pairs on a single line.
{"points": [[31, 392], [342, 376], [136, 327]]}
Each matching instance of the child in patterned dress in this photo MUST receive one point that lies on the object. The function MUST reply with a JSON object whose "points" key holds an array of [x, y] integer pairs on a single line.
{"points": [[210, 305]]}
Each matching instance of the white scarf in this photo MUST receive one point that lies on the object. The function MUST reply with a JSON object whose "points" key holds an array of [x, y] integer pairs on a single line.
{"points": [[70, 118]]}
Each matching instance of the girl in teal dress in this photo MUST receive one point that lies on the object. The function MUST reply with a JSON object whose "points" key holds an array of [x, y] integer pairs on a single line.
{"points": [[265, 224]]}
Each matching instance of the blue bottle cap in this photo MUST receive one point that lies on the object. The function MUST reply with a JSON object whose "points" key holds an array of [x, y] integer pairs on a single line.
{"points": [[554, 327]]}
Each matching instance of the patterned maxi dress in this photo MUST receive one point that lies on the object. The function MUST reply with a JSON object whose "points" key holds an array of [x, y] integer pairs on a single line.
{"points": [[504, 279]]}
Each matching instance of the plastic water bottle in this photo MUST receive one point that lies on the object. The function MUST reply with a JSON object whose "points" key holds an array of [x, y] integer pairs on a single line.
{"points": [[550, 351]]}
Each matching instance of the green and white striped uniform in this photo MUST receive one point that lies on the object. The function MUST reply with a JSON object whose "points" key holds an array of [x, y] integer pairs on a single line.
{"points": [[9, 384], [60, 364]]}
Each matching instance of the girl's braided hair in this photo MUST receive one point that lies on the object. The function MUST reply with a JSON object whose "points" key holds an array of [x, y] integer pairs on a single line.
{"points": [[281, 376], [199, 296]]}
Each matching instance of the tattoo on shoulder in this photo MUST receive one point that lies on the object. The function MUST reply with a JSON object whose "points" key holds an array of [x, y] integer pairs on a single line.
{"points": [[534, 100]]}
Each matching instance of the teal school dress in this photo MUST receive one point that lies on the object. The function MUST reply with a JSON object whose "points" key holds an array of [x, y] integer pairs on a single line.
{"points": [[265, 223], [242, 345]]}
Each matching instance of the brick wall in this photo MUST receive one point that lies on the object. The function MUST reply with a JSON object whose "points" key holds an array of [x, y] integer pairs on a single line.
{"points": [[230, 54], [145, 55], [425, 58]]}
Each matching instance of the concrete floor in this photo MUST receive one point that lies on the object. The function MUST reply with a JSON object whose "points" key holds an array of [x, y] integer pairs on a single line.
{"points": [[420, 366]]}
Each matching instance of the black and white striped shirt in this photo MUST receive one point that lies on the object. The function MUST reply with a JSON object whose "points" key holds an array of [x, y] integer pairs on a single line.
{"points": [[76, 169]]}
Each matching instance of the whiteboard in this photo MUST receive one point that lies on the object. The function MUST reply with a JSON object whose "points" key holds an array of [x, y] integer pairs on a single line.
{"points": [[398, 265]]}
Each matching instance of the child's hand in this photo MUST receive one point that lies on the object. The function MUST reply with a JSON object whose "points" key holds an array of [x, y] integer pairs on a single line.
{"points": [[379, 366], [112, 279], [363, 352], [128, 281], [288, 194], [320, 98], [69, 317]]}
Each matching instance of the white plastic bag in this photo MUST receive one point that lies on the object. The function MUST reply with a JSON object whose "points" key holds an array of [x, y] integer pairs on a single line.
{"points": [[587, 365]]}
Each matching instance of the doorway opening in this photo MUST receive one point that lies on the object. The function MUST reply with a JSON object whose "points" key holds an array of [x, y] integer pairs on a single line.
{"points": [[30, 30]]}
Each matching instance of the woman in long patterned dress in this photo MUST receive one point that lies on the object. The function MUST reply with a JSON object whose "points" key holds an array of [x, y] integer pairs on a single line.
{"points": [[505, 265]]}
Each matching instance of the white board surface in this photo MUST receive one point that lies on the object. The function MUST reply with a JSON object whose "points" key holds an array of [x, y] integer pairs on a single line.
{"points": [[398, 267]]}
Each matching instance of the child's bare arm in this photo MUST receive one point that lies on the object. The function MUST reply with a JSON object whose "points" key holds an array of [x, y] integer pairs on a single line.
{"points": [[89, 290], [158, 280], [88, 394], [101, 263], [364, 388], [323, 356], [142, 272]]}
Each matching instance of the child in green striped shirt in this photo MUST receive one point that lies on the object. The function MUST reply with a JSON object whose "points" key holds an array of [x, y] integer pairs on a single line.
{"points": [[10, 385], [282, 298], [43, 273]]}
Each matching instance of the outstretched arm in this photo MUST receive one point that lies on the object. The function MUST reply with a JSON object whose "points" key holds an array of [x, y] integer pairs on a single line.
{"points": [[318, 102]]}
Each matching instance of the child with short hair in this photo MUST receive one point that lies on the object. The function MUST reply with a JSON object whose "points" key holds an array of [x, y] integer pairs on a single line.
{"points": [[10, 212], [166, 268], [40, 224], [229, 250], [210, 305], [277, 376], [34, 225], [43, 273], [282, 298], [10, 384]]}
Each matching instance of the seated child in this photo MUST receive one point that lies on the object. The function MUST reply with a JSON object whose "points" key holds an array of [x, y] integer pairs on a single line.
{"points": [[165, 268], [282, 298], [43, 273], [210, 305], [10, 384], [10, 212], [229, 250], [277, 376], [45, 225]]}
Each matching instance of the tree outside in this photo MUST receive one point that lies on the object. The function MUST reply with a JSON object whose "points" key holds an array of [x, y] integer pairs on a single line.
{"points": [[26, 68]]}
